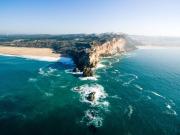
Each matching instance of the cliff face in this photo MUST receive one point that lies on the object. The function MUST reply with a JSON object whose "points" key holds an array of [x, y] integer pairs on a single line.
{"points": [[88, 58]]}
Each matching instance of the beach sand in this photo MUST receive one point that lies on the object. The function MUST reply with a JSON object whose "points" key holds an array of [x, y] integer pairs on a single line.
{"points": [[21, 51], [41, 54]]}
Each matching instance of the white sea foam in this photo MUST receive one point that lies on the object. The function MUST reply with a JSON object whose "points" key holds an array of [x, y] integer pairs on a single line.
{"points": [[130, 108], [170, 110], [168, 106], [70, 71], [148, 97], [64, 60], [63, 86], [127, 83], [40, 58], [100, 65], [94, 78], [138, 87], [48, 94], [115, 97], [92, 118], [86, 89], [32, 80], [47, 72], [155, 93]]}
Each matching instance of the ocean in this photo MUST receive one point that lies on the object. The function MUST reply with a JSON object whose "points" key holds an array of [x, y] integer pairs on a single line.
{"points": [[137, 93]]}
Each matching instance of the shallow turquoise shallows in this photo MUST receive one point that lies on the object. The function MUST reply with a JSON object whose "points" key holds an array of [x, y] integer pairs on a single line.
{"points": [[136, 94]]}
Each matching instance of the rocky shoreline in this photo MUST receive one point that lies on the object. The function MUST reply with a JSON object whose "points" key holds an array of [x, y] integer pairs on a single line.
{"points": [[87, 58], [86, 50]]}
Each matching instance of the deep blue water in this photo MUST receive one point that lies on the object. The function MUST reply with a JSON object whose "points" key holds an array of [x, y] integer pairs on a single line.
{"points": [[136, 94]]}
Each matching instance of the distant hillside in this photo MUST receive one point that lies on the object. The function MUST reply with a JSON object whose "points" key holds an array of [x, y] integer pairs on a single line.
{"points": [[157, 41]]}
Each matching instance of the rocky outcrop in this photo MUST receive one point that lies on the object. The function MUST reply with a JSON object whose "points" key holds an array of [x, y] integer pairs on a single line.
{"points": [[85, 49], [88, 58], [87, 71], [91, 96]]}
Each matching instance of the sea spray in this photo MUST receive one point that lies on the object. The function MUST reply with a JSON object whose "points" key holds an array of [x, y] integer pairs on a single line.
{"points": [[93, 116]]}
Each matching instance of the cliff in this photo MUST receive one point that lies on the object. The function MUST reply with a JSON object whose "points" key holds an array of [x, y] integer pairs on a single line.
{"points": [[88, 58]]}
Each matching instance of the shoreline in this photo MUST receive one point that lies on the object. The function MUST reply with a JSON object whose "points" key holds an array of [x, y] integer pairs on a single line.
{"points": [[39, 54], [44, 52], [156, 47], [38, 58]]}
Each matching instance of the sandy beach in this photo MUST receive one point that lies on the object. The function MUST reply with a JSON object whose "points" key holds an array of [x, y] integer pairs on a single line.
{"points": [[41, 52]]}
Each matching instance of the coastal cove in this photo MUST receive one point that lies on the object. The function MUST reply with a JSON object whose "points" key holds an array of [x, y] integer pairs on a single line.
{"points": [[138, 88]]}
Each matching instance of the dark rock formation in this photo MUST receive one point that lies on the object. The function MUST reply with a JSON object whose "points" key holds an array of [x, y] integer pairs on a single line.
{"points": [[91, 96], [87, 71], [76, 69]]}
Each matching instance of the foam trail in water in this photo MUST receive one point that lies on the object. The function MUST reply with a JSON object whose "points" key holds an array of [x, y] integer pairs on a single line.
{"points": [[48, 94], [70, 71], [130, 111], [170, 110], [127, 83], [138, 87], [115, 97], [155, 93], [32, 80], [47, 72], [94, 78]]}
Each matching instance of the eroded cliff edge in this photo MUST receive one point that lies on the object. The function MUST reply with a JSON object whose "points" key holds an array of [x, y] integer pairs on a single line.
{"points": [[87, 58]]}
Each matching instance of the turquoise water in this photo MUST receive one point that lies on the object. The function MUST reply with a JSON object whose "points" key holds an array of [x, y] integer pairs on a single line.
{"points": [[136, 94]]}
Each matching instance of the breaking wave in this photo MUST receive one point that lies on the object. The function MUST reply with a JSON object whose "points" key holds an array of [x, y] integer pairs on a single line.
{"points": [[93, 116], [86, 89], [47, 72], [70, 71], [94, 78]]}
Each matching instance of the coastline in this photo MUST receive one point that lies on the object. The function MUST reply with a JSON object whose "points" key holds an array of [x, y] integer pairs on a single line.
{"points": [[156, 47], [40, 54], [43, 52]]}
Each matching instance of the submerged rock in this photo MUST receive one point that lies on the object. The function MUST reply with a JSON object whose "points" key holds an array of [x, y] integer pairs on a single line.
{"points": [[91, 96], [87, 72]]}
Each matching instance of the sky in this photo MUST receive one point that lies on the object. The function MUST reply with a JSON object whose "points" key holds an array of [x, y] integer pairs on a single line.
{"points": [[138, 17]]}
